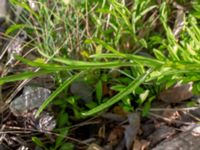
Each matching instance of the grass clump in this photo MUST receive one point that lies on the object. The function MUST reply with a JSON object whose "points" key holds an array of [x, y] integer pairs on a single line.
{"points": [[145, 44]]}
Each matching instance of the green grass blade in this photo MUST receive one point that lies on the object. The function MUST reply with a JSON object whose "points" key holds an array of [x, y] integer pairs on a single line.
{"points": [[15, 27], [126, 91], [73, 64], [56, 92], [104, 44], [38, 142], [84, 64], [23, 5], [23, 76], [41, 64], [145, 12], [146, 61], [151, 62]]}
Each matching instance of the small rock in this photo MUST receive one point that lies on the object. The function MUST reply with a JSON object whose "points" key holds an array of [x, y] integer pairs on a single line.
{"points": [[3, 147], [27, 104], [83, 90], [183, 141], [163, 132], [31, 98], [47, 122]]}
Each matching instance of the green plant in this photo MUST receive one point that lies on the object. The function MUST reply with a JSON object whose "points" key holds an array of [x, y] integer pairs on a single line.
{"points": [[137, 39]]}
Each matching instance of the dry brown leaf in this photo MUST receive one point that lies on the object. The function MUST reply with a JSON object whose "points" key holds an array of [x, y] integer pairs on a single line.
{"points": [[140, 144], [94, 146], [180, 20], [176, 93], [171, 115], [107, 90], [115, 135], [101, 131], [119, 111], [132, 129]]}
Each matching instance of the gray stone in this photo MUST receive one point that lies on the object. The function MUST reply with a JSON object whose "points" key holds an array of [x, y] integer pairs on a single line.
{"points": [[2, 147], [83, 90], [31, 98]]}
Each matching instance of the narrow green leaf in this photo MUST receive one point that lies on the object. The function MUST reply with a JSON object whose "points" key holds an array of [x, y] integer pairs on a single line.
{"points": [[61, 137], [53, 67], [72, 64], [99, 91], [148, 9], [107, 46], [15, 27], [126, 91], [38, 142], [75, 63], [159, 55], [23, 5], [56, 92], [67, 146], [146, 109], [23, 76], [146, 61]]}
